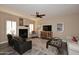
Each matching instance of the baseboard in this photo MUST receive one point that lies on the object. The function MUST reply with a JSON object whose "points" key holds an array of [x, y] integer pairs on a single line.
{"points": [[3, 42]]}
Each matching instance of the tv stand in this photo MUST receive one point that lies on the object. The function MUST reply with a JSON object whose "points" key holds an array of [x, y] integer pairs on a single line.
{"points": [[46, 34]]}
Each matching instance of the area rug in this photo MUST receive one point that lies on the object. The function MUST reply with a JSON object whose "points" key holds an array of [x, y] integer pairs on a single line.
{"points": [[7, 50], [38, 48]]}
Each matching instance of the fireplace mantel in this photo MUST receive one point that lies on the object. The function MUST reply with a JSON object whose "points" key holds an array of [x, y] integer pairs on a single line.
{"points": [[23, 27]]}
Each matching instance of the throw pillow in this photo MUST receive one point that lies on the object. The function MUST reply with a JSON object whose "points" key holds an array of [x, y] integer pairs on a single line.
{"points": [[74, 39]]}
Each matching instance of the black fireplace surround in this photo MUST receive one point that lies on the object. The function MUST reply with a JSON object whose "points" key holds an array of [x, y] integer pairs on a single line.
{"points": [[23, 33]]}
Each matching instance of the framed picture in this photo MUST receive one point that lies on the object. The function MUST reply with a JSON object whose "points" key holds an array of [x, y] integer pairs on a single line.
{"points": [[20, 21], [60, 27]]}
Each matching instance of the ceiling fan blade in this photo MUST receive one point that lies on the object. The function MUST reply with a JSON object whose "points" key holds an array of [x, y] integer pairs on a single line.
{"points": [[42, 15], [39, 15]]}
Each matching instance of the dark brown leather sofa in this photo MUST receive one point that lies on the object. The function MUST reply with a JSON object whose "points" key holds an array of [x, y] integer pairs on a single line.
{"points": [[18, 44]]}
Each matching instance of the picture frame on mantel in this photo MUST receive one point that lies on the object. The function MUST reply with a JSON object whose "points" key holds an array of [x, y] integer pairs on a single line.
{"points": [[20, 21]]}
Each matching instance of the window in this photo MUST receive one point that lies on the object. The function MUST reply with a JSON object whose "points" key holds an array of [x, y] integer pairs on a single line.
{"points": [[31, 28], [11, 27]]}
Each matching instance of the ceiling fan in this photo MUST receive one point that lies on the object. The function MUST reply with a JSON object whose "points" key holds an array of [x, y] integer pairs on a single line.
{"points": [[39, 15]]}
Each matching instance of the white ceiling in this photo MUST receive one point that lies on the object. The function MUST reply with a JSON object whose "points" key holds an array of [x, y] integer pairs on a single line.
{"points": [[51, 10]]}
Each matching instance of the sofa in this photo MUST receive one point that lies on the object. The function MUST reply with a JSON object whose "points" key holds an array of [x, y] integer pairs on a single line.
{"points": [[73, 46], [19, 44]]}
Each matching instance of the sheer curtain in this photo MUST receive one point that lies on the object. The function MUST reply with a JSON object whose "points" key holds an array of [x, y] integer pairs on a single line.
{"points": [[11, 27]]}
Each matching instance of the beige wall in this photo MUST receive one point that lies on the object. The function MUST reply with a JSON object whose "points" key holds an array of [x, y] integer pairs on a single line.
{"points": [[3, 18], [70, 22]]}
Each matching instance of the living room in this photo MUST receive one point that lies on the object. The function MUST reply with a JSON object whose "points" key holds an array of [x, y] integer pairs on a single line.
{"points": [[58, 21]]}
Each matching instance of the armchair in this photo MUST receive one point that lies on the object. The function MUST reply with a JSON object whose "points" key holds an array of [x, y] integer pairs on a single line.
{"points": [[34, 34]]}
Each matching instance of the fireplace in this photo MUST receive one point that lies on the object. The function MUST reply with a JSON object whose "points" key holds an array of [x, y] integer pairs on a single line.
{"points": [[23, 33]]}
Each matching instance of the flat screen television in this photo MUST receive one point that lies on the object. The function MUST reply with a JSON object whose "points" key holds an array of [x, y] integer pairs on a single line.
{"points": [[47, 27]]}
